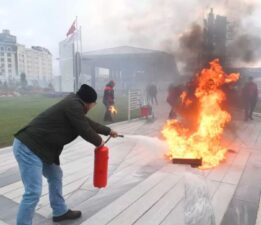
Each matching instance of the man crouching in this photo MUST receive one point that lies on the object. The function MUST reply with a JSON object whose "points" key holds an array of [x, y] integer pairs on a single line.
{"points": [[38, 145]]}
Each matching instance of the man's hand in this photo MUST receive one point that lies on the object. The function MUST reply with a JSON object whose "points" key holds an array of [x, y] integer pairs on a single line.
{"points": [[114, 134], [102, 143]]}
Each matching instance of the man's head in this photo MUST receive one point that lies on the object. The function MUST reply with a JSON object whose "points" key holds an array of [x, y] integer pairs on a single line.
{"points": [[111, 83], [88, 95]]}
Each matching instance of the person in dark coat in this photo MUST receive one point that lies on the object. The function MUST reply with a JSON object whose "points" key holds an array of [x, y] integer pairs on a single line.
{"points": [[148, 94], [154, 93], [38, 145], [173, 99], [108, 100], [250, 97]]}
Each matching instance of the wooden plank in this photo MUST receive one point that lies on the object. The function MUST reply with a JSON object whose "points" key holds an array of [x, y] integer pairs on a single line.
{"points": [[228, 186], [225, 192], [120, 204], [176, 216], [218, 173], [17, 193], [148, 200], [11, 187], [235, 171], [43, 206], [161, 209], [258, 218], [3, 223]]}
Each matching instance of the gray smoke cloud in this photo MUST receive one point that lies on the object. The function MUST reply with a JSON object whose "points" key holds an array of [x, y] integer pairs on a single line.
{"points": [[176, 26], [245, 48]]}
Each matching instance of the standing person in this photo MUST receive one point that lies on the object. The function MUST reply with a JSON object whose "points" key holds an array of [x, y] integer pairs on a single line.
{"points": [[153, 93], [250, 97], [148, 94], [38, 145], [173, 100], [108, 100]]}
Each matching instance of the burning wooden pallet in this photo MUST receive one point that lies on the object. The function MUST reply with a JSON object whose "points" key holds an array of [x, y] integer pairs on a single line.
{"points": [[192, 162]]}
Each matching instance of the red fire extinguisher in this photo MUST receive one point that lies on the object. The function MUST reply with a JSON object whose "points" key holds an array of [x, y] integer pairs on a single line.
{"points": [[101, 165]]}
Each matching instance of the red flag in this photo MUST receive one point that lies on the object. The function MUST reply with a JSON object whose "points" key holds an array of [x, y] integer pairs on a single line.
{"points": [[72, 29]]}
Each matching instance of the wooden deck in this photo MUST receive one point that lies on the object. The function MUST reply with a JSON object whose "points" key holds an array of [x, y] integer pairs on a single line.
{"points": [[146, 189]]}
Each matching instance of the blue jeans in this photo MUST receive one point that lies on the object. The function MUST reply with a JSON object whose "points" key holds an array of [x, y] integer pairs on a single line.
{"points": [[31, 169]]}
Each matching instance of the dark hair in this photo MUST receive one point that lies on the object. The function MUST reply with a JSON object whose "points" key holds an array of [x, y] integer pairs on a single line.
{"points": [[111, 83]]}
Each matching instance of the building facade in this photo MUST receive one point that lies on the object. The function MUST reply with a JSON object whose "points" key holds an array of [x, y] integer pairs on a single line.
{"points": [[15, 59], [36, 63], [66, 64], [8, 49]]}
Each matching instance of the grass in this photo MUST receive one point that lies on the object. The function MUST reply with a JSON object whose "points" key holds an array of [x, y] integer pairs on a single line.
{"points": [[16, 112], [258, 107]]}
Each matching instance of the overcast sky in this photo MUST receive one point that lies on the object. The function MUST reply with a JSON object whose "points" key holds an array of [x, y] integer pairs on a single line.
{"points": [[105, 23]]}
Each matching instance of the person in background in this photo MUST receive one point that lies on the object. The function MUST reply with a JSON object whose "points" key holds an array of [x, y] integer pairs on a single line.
{"points": [[108, 100], [250, 98], [153, 94], [173, 100], [148, 94], [37, 148]]}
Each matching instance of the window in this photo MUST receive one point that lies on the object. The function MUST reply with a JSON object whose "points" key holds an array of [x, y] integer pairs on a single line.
{"points": [[9, 60], [9, 65], [2, 54], [2, 59], [8, 49], [2, 48], [9, 54]]}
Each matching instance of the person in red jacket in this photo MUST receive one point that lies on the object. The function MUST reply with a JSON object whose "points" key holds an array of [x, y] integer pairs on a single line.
{"points": [[250, 97], [108, 100]]}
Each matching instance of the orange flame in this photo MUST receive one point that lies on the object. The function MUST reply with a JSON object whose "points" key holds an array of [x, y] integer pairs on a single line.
{"points": [[113, 110], [184, 99], [205, 141]]}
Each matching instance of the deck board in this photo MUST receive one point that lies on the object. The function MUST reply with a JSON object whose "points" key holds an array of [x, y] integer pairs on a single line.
{"points": [[144, 188]]}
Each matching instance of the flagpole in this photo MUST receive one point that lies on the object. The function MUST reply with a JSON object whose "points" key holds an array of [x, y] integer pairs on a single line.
{"points": [[81, 39], [75, 55]]}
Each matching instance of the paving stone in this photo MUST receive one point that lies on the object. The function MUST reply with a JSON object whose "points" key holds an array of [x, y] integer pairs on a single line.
{"points": [[240, 213], [9, 176], [8, 211]]}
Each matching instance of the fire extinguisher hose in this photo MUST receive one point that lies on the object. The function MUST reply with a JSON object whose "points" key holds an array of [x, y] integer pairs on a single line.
{"points": [[119, 135]]}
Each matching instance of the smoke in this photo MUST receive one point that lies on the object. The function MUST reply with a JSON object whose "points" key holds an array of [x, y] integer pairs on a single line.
{"points": [[190, 46], [176, 27], [245, 48]]}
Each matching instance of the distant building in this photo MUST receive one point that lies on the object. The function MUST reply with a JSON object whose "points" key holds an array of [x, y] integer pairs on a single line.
{"points": [[35, 62], [8, 49], [66, 63], [130, 67]]}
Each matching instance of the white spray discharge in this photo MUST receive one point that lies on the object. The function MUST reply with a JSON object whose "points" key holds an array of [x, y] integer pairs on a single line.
{"points": [[198, 208], [152, 145]]}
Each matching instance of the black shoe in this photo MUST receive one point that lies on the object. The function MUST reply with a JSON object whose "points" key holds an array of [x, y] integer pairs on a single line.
{"points": [[70, 215]]}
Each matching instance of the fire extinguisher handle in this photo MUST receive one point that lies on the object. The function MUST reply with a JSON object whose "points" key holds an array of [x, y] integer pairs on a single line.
{"points": [[107, 140]]}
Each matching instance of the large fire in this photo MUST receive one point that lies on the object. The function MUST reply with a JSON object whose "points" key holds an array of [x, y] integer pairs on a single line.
{"points": [[203, 142]]}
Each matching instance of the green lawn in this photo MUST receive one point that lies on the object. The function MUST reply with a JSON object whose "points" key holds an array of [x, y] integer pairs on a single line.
{"points": [[258, 107], [15, 112]]}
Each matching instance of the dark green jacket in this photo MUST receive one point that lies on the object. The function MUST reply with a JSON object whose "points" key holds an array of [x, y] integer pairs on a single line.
{"points": [[59, 125]]}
